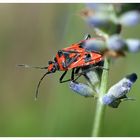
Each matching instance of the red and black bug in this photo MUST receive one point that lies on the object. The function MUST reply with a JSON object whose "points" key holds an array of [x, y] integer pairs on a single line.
{"points": [[74, 57]]}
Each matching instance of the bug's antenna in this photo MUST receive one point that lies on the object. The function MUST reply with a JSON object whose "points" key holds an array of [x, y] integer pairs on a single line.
{"points": [[27, 66], [36, 95]]}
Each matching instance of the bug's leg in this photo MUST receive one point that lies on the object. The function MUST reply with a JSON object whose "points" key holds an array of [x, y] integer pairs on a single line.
{"points": [[77, 70], [80, 88], [72, 74], [87, 78], [92, 68], [62, 76], [74, 80], [79, 74], [71, 79], [98, 67]]}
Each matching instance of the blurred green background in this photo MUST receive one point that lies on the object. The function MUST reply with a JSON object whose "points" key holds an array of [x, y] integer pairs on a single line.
{"points": [[32, 34]]}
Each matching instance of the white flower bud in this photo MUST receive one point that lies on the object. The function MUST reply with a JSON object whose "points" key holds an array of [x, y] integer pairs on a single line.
{"points": [[130, 18], [119, 91], [95, 45], [116, 43], [82, 89], [133, 45]]}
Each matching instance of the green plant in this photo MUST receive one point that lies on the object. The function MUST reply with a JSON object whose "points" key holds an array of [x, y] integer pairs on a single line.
{"points": [[107, 21]]}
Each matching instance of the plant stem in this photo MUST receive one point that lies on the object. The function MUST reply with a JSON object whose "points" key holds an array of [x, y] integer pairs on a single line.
{"points": [[100, 108]]}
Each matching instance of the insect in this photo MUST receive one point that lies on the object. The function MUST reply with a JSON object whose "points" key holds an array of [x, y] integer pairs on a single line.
{"points": [[73, 57]]}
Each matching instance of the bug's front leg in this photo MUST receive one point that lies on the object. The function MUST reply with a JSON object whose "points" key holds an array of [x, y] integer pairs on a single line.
{"points": [[63, 75]]}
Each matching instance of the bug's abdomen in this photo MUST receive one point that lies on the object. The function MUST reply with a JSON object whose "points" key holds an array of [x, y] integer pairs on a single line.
{"points": [[86, 59]]}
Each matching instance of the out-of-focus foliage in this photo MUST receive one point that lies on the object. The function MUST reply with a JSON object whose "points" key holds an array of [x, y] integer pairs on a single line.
{"points": [[109, 42], [32, 34]]}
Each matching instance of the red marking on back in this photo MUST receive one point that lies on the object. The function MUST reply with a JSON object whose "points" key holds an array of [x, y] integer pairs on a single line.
{"points": [[80, 62]]}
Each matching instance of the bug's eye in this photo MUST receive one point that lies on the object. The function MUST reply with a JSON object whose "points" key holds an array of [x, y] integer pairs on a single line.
{"points": [[53, 69]]}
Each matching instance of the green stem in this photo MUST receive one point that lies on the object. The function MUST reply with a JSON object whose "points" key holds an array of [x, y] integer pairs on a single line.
{"points": [[100, 108]]}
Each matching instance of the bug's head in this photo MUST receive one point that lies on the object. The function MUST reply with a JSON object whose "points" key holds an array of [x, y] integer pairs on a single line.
{"points": [[52, 67]]}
